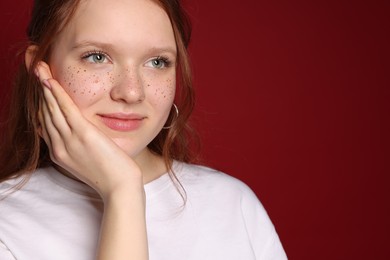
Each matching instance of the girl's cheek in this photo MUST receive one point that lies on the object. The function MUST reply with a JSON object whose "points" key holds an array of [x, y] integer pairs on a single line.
{"points": [[162, 90], [84, 86], [171, 88]]}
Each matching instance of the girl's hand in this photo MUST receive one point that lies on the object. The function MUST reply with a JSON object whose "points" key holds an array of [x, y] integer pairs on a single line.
{"points": [[78, 146], [81, 149]]}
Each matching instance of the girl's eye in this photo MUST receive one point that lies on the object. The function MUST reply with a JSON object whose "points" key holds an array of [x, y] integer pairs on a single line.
{"points": [[96, 58], [159, 63]]}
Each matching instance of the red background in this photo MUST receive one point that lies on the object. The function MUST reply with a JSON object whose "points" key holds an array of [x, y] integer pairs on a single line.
{"points": [[293, 98]]}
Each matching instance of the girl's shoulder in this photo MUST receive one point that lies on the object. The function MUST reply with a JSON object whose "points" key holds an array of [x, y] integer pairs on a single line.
{"points": [[43, 183], [22, 181], [199, 178]]}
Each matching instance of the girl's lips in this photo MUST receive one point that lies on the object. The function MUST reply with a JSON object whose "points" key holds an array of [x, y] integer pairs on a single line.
{"points": [[122, 122]]}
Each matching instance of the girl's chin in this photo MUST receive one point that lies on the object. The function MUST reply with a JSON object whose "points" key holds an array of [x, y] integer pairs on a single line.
{"points": [[129, 148]]}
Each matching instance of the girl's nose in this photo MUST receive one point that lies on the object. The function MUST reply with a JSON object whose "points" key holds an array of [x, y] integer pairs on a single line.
{"points": [[128, 87]]}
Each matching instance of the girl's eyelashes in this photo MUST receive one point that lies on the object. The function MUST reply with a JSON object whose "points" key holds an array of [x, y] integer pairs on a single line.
{"points": [[97, 57], [100, 57], [160, 62]]}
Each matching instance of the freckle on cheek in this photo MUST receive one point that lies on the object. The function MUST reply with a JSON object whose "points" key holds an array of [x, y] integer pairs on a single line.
{"points": [[84, 84]]}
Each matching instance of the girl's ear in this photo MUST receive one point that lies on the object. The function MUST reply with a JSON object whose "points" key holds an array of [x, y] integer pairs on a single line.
{"points": [[30, 54]]}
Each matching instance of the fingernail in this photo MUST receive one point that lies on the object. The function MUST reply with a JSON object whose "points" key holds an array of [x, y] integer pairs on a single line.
{"points": [[36, 71], [46, 83]]}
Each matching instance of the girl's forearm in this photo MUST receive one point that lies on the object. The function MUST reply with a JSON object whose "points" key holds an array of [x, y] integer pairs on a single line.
{"points": [[123, 231]]}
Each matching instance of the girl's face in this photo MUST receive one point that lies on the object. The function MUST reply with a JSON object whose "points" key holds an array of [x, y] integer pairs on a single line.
{"points": [[116, 59]]}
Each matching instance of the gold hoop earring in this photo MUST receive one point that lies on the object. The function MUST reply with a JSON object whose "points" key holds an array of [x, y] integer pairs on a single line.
{"points": [[177, 115]]}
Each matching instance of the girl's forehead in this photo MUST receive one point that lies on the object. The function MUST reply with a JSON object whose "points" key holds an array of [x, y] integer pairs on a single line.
{"points": [[126, 22], [121, 17], [145, 14], [119, 6]]}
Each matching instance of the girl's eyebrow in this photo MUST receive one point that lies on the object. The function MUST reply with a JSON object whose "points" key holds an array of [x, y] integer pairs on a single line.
{"points": [[166, 49], [84, 44], [108, 46]]}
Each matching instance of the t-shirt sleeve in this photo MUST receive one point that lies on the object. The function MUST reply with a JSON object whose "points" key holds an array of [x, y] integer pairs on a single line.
{"points": [[262, 234], [5, 254]]}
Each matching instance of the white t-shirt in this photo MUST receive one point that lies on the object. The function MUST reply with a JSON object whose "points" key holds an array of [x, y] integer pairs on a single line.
{"points": [[55, 217]]}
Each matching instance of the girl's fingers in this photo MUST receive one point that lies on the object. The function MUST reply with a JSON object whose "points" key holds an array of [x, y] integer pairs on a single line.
{"points": [[60, 100], [58, 119], [48, 114], [53, 136], [43, 71], [43, 131], [68, 108]]}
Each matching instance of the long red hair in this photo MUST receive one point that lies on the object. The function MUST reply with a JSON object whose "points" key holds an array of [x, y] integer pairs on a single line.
{"points": [[22, 150]]}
